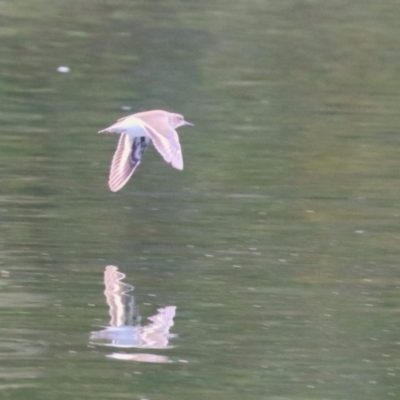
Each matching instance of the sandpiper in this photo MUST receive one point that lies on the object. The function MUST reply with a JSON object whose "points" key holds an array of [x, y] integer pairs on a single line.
{"points": [[136, 131]]}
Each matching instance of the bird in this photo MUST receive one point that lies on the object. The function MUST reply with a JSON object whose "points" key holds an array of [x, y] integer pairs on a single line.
{"points": [[136, 131]]}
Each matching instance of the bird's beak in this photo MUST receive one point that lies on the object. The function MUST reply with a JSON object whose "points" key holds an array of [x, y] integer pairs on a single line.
{"points": [[187, 123]]}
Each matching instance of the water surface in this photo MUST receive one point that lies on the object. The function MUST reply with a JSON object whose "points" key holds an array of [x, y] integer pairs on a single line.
{"points": [[274, 255]]}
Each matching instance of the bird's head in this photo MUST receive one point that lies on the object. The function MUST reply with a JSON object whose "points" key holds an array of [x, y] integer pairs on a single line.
{"points": [[177, 120]]}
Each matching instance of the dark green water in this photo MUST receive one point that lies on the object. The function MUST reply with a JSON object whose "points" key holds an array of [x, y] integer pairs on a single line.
{"points": [[269, 268]]}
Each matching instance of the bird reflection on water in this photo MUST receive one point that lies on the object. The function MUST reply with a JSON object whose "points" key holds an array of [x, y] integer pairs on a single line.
{"points": [[125, 329]]}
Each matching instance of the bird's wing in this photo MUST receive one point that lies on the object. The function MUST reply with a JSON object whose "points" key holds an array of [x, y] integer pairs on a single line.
{"points": [[126, 159], [166, 141]]}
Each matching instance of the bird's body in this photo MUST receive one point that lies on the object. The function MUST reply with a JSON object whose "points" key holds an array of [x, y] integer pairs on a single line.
{"points": [[136, 132]]}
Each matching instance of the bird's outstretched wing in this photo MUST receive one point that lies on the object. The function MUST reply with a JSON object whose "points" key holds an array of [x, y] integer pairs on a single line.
{"points": [[166, 141], [126, 159]]}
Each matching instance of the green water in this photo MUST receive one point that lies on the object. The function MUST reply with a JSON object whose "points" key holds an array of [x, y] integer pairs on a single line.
{"points": [[276, 250]]}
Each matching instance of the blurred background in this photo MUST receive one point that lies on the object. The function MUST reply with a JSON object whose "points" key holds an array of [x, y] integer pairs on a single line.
{"points": [[268, 268]]}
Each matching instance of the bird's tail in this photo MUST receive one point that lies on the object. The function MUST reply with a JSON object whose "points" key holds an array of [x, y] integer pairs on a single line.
{"points": [[108, 130]]}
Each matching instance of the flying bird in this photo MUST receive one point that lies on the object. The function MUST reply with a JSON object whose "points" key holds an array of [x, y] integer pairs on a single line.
{"points": [[136, 131]]}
